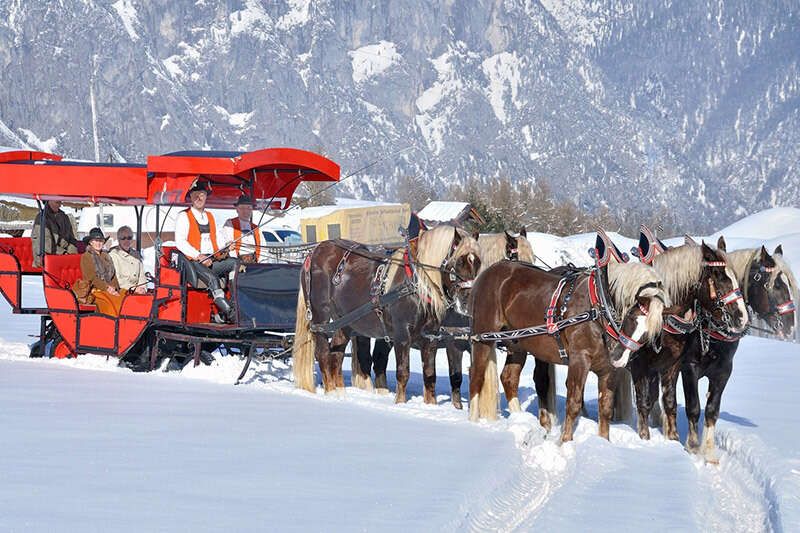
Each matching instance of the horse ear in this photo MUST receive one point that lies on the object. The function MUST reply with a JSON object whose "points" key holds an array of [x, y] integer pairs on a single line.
{"points": [[778, 250], [721, 244], [510, 239], [476, 234], [456, 236], [708, 253], [764, 254], [523, 231]]}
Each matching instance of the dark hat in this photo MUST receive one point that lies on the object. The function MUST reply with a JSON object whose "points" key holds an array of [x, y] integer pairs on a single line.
{"points": [[95, 234], [199, 186], [244, 199]]}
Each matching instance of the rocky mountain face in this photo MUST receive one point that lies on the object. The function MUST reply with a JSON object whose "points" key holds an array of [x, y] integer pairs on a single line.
{"points": [[648, 106]]}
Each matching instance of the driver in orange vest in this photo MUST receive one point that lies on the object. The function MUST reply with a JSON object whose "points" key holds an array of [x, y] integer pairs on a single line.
{"points": [[240, 235], [196, 239]]}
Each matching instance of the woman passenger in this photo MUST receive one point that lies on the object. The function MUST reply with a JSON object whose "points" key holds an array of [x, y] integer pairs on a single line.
{"points": [[97, 269]]}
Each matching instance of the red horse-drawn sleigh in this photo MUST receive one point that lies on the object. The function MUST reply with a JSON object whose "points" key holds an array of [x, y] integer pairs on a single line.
{"points": [[171, 319]]}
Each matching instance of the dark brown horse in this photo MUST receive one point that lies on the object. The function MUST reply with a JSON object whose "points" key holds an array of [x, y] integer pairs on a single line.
{"points": [[494, 247], [347, 291], [513, 296], [768, 287], [697, 278]]}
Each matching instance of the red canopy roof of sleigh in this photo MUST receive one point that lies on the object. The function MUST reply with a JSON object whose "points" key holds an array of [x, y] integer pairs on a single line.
{"points": [[269, 174]]}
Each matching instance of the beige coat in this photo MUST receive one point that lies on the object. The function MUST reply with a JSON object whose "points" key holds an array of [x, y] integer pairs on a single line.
{"points": [[129, 268]]}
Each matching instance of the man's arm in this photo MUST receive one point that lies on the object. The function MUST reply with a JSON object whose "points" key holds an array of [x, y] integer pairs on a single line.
{"points": [[225, 237]]}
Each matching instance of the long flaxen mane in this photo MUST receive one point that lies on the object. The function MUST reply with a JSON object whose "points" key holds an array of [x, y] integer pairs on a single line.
{"points": [[493, 249], [680, 268], [433, 248], [628, 281]]}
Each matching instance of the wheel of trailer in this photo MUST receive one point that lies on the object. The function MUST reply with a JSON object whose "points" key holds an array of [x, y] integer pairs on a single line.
{"points": [[54, 345], [138, 356]]}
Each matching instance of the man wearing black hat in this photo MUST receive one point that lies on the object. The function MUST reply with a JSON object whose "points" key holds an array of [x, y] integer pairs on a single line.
{"points": [[200, 257], [240, 235]]}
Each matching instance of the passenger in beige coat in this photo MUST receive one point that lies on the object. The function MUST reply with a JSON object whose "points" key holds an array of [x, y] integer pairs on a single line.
{"points": [[128, 263]]}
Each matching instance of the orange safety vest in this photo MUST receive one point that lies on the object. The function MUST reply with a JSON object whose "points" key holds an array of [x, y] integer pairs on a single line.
{"points": [[237, 234], [194, 231]]}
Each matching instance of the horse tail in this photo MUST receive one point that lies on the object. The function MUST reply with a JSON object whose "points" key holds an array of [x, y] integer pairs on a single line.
{"points": [[303, 348], [489, 398], [623, 397]]}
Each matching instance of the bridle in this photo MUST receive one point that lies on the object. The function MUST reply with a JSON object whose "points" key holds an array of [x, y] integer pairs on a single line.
{"points": [[759, 276], [721, 302]]}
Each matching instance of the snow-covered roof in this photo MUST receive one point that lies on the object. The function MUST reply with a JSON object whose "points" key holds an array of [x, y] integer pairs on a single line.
{"points": [[341, 203], [442, 211]]}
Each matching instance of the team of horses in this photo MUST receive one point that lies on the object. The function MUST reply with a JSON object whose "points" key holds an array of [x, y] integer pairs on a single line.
{"points": [[677, 311]]}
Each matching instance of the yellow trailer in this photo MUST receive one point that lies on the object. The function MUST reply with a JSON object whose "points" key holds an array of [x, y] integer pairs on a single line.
{"points": [[366, 222]]}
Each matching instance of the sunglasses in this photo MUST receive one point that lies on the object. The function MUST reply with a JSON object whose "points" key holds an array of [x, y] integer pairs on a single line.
{"points": [[126, 238]]}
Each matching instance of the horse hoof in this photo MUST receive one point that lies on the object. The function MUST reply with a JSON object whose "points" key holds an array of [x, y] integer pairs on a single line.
{"points": [[457, 403], [400, 398], [381, 390], [513, 406]]}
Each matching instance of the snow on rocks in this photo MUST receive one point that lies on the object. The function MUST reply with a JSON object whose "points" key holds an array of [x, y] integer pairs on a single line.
{"points": [[372, 60]]}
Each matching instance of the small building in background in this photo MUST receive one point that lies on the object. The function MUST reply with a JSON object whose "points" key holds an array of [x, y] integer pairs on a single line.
{"points": [[457, 213], [358, 220]]}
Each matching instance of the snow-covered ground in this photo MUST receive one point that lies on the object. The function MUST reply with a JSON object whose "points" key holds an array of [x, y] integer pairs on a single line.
{"points": [[89, 446]]}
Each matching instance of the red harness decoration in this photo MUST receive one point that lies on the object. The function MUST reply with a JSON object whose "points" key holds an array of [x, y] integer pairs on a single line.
{"points": [[407, 264], [786, 307], [550, 316], [613, 333]]}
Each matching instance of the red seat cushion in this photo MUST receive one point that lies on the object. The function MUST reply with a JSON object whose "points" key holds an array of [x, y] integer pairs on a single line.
{"points": [[22, 249], [62, 270]]}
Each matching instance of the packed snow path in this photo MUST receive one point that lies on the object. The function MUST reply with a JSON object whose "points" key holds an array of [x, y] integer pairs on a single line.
{"points": [[91, 446]]}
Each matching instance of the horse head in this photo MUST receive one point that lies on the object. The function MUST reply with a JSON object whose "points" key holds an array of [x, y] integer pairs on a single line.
{"points": [[639, 294], [458, 257], [718, 291], [770, 292]]}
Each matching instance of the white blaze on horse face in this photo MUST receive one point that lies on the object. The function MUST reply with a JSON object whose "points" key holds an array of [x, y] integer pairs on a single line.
{"points": [[740, 302], [638, 333]]}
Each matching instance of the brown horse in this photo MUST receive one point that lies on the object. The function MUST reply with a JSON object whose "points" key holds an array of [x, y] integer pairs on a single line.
{"points": [[513, 296], [345, 291], [494, 247], [697, 278]]}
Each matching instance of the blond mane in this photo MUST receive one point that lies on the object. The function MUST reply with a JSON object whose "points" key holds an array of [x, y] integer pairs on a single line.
{"points": [[493, 249], [680, 269], [433, 248], [626, 281]]}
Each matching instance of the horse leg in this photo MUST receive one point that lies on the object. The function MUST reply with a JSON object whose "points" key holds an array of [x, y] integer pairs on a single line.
{"points": [[606, 389], [454, 362], [577, 372], [623, 403], [428, 354], [509, 377], [380, 360], [716, 384], [322, 353], [669, 382], [360, 363], [336, 359], [542, 382], [401, 354], [644, 398], [690, 377]]}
